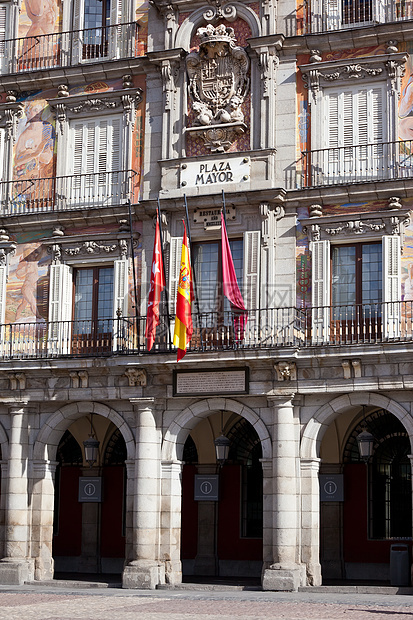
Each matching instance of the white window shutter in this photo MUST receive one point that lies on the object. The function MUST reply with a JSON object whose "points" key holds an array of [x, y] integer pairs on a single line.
{"points": [[252, 249], [3, 33], [251, 284], [60, 308], [320, 290], [3, 282], [120, 301], [332, 12], [77, 26], [391, 286], [175, 250], [115, 34]]}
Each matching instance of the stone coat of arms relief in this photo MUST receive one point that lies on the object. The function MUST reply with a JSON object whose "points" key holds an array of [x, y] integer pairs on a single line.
{"points": [[218, 85]]}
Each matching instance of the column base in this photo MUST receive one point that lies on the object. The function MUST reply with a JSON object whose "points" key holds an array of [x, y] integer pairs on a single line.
{"points": [[16, 572], [283, 577], [143, 575], [313, 573]]}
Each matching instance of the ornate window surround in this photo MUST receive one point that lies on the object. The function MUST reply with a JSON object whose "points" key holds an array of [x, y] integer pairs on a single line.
{"points": [[67, 107], [387, 68]]}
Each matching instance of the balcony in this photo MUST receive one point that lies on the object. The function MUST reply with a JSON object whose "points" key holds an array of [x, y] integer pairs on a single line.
{"points": [[356, 164], [268, 329], [333, 15], [64, 49], [82, 191]]}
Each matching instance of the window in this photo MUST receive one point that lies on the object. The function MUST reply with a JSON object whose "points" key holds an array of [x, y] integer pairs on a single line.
{"points": [[96, 149], [355, 136], [364, 290], [93, 308], [208, 273], [97, 30], [356, 11]]}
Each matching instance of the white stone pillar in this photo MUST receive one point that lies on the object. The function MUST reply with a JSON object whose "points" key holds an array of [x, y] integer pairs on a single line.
{"points": [[3, 495], [310, 520], [17, 567], [267, 516], [170, 550], [130, 498], [145, 570], [285, 572], [42, 518]]}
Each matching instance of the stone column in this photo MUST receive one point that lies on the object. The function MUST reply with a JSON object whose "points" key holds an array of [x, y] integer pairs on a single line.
{"points": [[42, 518], [170, 551], [3, 495], [285, 572], [17, 567], [145, 570], [310, 520], [267, 516]]}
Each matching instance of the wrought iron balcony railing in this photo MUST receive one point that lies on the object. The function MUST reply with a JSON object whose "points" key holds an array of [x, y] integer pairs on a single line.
{"points": [[355, 164], [330, 15], [270, 328], [101, 189], [63, 49]]}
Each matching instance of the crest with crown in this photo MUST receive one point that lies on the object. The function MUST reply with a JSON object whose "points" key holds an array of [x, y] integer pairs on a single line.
{"points": [[209, 34]]}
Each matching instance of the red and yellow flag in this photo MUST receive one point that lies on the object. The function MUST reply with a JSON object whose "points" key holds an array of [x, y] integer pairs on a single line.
{"points": [[157, 286], [183, 320]]}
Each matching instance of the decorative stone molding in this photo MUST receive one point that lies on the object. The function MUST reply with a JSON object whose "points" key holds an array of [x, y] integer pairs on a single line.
{"points": [[136, 377], [315, 210], [70, 248], [286, 371], [217, 11], [66, 107], [395, 203], [366, 225], [351, 368], [218, 85], [10, 112], [169, 69], [270, 214], [79, 379], [346, 369], [316, 73], [356, 368], [17, 381], [7, 248]]}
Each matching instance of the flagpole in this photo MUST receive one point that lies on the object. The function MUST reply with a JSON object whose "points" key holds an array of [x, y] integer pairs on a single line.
{"points": [[193, 272], [224, 209], [164, 275], [132, 250]]}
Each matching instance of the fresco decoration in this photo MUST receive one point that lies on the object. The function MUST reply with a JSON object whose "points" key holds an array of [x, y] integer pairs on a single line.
{"points": [[40, 17], [406, 102], [27, 292], [141, 17], [303, 262], [355, 53]]}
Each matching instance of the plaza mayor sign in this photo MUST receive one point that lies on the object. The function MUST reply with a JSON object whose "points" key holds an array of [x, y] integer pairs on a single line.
{"points": [[216, 172]]}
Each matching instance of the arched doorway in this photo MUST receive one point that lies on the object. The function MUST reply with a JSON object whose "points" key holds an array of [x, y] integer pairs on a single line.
{"points": [[89, 536], [223, 538], [376, 511]]}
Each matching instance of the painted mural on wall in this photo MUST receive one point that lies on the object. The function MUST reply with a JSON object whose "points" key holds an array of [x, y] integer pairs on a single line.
{"points": [[38, 17], [27, 286]]}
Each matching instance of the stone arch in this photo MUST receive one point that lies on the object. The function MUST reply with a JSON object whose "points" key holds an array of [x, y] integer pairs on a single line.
{"points": [[188, 26], [176, 434], [317, 426], [51, 432]]}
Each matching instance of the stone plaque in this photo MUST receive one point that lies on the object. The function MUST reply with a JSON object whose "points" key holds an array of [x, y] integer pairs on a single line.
{"points": [[206, 488], [212, 217], [331, 488], [215, 382], [90, 489], [216, 172]]}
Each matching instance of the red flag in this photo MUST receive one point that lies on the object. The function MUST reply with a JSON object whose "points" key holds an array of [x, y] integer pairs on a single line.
{"points": [[230, 284], [183, 320], [157, 286]]}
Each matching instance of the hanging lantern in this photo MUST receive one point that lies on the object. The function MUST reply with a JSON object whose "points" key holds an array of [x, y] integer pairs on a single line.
{"points": [[365, 442], [91, 446], [221, 449]]}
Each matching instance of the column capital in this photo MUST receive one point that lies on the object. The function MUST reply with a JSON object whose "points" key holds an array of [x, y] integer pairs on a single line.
{"points": [[42, 467], [18, 407], [280, 399], [143, 403], [312, 464]]}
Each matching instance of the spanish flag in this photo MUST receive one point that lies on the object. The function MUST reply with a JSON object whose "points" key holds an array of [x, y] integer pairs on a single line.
{"points": [[183, 318]]}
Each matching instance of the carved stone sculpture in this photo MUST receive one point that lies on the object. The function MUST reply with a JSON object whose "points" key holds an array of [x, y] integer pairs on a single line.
{"points": [[218, 82]]}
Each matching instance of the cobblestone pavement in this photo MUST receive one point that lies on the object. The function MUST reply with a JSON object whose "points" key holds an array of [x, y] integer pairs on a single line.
{"points": [[112, 604]]}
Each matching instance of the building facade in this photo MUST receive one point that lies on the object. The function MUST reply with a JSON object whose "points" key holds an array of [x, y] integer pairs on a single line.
{"points": [[293, 119]]}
